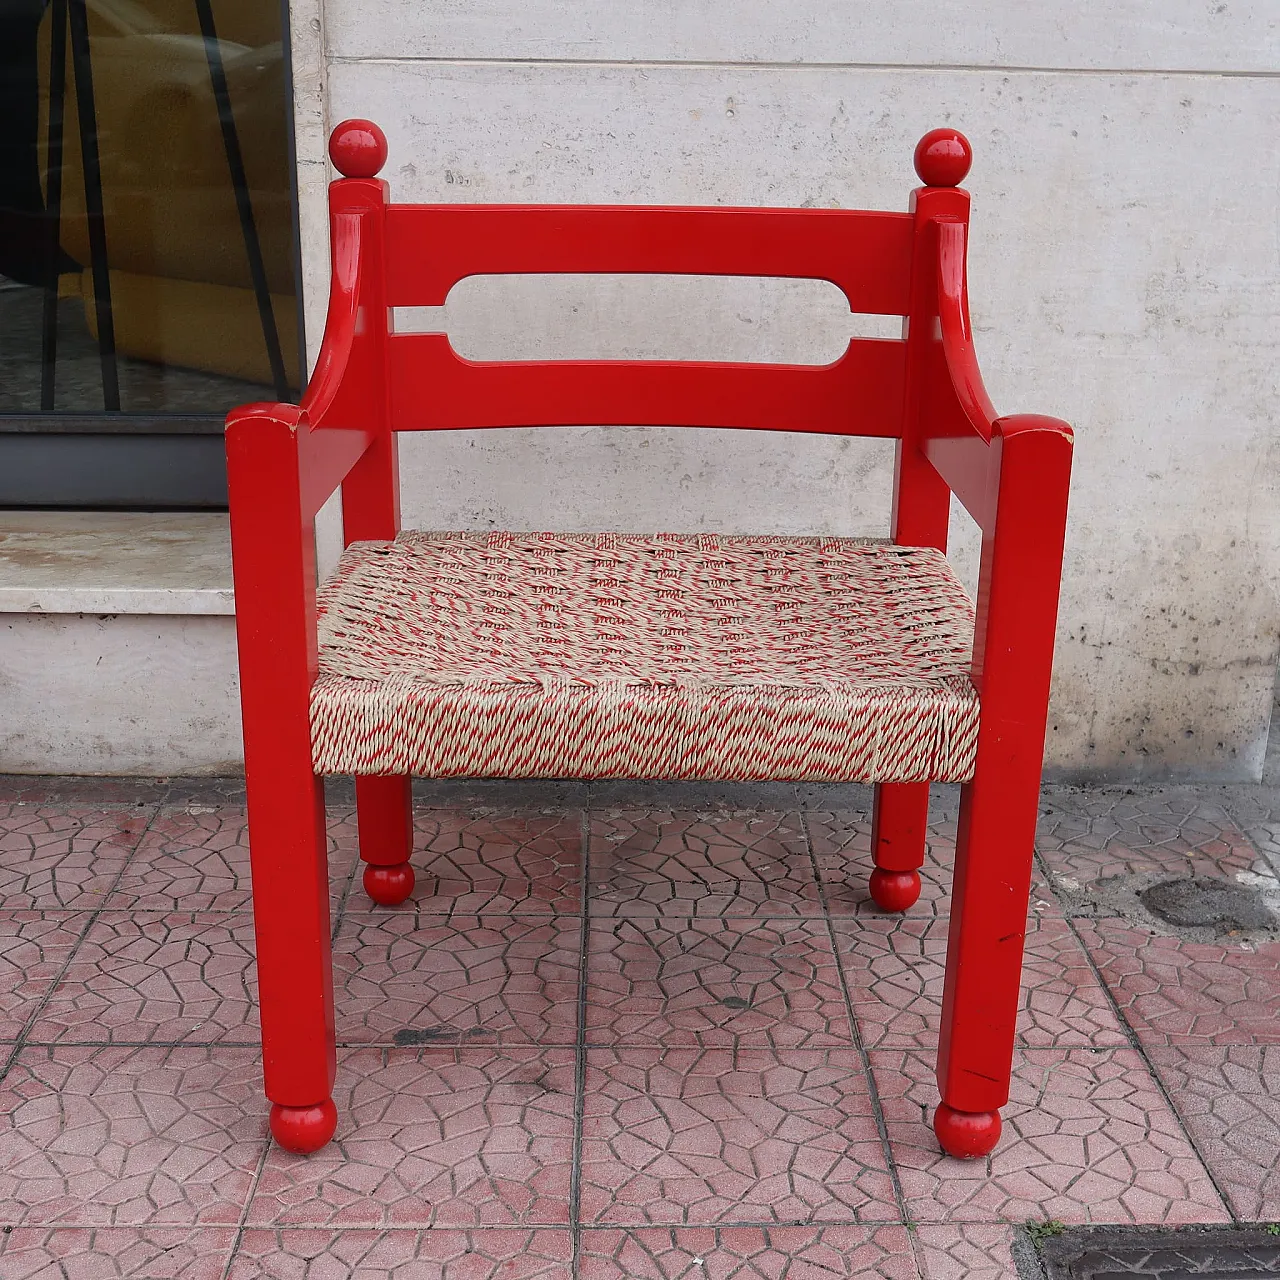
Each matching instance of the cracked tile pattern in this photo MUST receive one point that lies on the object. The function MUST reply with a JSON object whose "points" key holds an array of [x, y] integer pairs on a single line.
{"points": [[454, 1137], [714, 982], [1229, 1099], [130, 1137], [442, 1253], [513, 978], [1185, 993], [692, 1137], [116, 1253], [693, 864], [895, 967], [1092, 835], [747, 1253], [1088, 1137], [53, 857], [147, 978], [1264, 834], [728, 1126], [966, 1252], [34, 947], [497, 864], [197, 859]]}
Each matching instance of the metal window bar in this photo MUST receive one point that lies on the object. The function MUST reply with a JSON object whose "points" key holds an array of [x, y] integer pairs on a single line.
{"points": [[95, 214], [53, 200], [244, 203]]}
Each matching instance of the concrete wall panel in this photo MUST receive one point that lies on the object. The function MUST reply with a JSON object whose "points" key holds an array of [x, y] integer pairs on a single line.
{"points": [[1194, 35], [120, 694]]}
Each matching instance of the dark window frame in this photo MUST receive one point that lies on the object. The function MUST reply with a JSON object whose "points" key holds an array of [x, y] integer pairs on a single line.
{"points": [[114, 460]]}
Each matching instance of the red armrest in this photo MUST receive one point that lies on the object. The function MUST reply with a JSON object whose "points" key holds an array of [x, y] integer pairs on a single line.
{"points": [[269, 444], [968, 445]]}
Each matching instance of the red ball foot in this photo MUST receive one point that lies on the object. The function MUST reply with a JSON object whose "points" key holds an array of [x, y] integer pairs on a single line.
{"points": [[304, 1129], [894, 890], [966, 1134], [389, 886]]}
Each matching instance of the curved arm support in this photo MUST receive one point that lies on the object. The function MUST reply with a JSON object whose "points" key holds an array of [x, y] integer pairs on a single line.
{"points": [[307, 453], [340, 323], [957, 331], [966, 442]]}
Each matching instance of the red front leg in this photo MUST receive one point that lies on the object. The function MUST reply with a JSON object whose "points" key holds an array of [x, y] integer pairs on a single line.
{"points": [[273, 550], [1013, 656], [289, 853]]}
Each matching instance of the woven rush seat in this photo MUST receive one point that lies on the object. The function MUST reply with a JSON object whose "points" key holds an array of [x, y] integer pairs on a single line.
{"points": [[663, 656]]}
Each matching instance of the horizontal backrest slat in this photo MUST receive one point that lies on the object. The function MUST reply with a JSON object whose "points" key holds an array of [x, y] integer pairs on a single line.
{"points": [[429, 248], [433, 388]]}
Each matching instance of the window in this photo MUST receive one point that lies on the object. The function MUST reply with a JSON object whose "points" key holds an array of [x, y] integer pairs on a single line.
{"points": [[147, 244]]}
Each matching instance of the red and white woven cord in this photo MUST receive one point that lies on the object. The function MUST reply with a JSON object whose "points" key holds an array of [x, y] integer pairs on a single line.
{"points": [[644, 656]]}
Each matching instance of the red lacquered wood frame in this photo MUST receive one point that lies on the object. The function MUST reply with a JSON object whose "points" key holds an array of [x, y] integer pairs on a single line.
{"points": [[924, 391]]}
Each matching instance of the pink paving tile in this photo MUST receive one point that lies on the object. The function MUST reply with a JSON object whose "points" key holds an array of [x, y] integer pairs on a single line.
{"points": [[662, 863], [197, 859], [152, 977], [966, 1252], [1088, 1137], [491, 1253], [664, 981], [130, 1137], [842, 850], [513, 865], [1090, 836], [116, 1253], [34, 947], [1186, 993], [52, 857], [452, 1137], [512, 978], [744, 1253], [1263, 833], [1229, 1100], [692, 1137], [894, 968]]}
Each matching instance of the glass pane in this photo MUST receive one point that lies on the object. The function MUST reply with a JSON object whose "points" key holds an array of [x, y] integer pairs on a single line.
{"points": [[162, 126]]}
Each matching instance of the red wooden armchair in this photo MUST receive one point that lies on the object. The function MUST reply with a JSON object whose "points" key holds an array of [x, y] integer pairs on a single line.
{"points": [[661, 656]]}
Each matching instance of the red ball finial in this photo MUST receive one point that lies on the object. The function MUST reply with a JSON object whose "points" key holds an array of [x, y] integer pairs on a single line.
{"points": [[943, 157], [358, 149]]}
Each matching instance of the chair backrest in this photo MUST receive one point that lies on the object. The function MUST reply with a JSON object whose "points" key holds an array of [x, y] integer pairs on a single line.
{"points": [[388, 255], [1011, 473]]}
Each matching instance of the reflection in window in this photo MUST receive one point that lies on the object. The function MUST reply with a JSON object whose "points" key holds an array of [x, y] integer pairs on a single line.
{"points": [[181, 292]]}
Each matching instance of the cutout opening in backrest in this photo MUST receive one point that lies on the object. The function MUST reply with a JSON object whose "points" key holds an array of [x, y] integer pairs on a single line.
{"points": [[752, 319]]}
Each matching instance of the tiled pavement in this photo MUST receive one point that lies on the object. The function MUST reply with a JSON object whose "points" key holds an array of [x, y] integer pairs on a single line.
{"points": [[612, 1039]]}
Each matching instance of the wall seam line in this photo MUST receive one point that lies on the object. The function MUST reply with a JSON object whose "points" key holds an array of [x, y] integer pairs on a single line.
{"points": [[741, 65]]}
